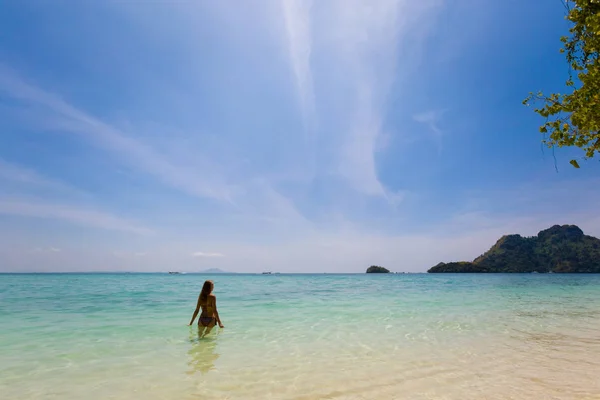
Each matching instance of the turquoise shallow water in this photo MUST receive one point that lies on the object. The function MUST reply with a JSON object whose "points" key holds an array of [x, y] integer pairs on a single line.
{"points": [[412, 336]]}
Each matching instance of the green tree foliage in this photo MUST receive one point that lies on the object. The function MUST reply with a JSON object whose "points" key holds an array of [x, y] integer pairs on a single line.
{"points": [[557, 249], [574, 119]]}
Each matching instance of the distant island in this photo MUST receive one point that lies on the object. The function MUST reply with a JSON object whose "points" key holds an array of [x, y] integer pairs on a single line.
{"points": [[213, 271], [559, 249], [375, 269]]}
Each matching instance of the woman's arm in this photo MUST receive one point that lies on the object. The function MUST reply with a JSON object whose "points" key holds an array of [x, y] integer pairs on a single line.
{"points": [[217, 312], [196, 311]]}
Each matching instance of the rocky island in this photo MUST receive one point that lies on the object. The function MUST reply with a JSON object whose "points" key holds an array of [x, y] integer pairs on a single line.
{"points": [[559, 249], [375, 269]]}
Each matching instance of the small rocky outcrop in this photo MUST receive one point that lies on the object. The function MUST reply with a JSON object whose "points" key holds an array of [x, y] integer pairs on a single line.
{"points": [[375, 269]]}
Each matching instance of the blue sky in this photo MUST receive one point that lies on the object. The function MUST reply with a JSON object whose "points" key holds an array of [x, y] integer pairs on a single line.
{"points": [[291, 136]]}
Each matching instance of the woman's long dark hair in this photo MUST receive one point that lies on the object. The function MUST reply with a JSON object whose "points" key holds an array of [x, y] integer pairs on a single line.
{"points": [[207, 289]]}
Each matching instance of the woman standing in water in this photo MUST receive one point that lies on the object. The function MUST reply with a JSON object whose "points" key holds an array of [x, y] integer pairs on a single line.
{"points": [[208, 303]]}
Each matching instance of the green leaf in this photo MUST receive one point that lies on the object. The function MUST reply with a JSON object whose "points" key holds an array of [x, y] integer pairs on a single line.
{"points": [[574, 163]]}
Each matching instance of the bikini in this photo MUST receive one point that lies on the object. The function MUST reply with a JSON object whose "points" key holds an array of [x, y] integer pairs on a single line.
{"points": [[205, 321]]}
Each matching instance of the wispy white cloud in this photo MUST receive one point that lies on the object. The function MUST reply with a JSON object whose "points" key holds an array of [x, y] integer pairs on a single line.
{"points": [[189, 169], [431, 119], [364, 41], [298, 28], [73, 214], [46, 250], [357, 45], [205, 254], [68, 118], [28, 177], [357, 159], [462, 236]]}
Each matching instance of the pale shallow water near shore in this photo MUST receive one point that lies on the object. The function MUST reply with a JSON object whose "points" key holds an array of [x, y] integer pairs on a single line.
{"points": [[301, 337]]}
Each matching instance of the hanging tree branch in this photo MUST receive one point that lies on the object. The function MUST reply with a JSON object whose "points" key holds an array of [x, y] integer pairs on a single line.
{"points": [[574, 119]]}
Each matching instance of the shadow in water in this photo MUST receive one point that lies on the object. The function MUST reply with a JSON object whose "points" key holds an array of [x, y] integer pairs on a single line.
{"points": [[203, 352]]}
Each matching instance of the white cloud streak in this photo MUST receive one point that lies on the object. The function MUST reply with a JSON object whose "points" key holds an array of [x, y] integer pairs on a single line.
{"points": [[107, 137], [298, 28], [48, 250], [431, 119], [30, 178], [73, 214], [358, 43], [366, 42], [206, 255]]}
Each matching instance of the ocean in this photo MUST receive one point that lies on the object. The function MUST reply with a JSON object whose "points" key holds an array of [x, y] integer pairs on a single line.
{"points": [[301, 337]]}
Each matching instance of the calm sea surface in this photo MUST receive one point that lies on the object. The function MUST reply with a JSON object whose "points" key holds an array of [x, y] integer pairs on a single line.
{"points": [[413, 336]]}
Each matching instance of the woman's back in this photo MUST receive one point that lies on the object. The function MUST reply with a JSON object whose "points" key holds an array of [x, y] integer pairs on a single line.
{"points": [[208, 305]]}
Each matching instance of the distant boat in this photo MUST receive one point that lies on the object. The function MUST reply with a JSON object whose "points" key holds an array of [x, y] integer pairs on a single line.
{"points": [[174, 273], [266, 273]]}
